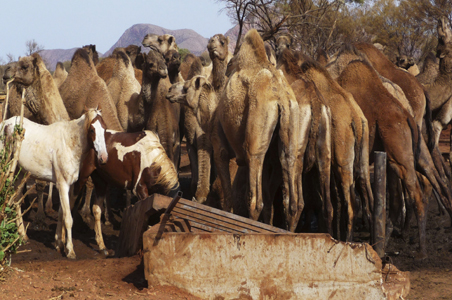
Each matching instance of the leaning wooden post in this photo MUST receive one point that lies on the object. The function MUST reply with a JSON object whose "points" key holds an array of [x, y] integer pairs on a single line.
{"points": [[379, 216]]}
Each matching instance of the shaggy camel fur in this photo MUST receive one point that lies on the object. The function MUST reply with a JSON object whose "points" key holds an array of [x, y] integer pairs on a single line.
{"points": [[84, 88], [396, 134], [430, 69], [413, 90], [125, 91], [255, 100], [161, 115], [350, 141], [160, 43], [60, 74], [318, 148]]}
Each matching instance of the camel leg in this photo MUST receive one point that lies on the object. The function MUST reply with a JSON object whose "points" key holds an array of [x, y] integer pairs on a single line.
{"points": [[97, 212], [193, 157], [40, 186], [204, 167], [411, 183], [49, 202], [221, 158]]}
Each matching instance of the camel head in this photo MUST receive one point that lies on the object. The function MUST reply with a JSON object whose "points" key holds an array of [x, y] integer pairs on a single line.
{"points": [[444, 38], [91, 50], [154, 65], [133, 51], [172, 60], [9, 71], [26, 71], [283, 42], [160, 43], [189, 92], [404, 62], [218, 47]]}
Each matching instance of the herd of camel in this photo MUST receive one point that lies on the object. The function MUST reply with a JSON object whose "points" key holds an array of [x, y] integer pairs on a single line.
{"points": [[276, 124]]}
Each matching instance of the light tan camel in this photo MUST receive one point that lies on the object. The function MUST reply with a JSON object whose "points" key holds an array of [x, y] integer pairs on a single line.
{"points": [[318, 149], [161, 115], [60, 74], [219, 54], [255, 100], [84, 88], [125, 91], [160, 43], [350, 141], [105, 68], [440, 90]]}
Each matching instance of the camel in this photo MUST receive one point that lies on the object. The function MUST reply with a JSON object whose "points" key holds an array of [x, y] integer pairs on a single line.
{"points": [[125, 91], [136, 56], [173, 64], [440, 90], [160, 43], [285, 42], [318, 149], [350, 141], [393, 129], [219, 54], [255, 100], [60, 74], [84, 88], [92, 53], [408, 64], [322, 57], [105, 68], [413, 90], [161, 116], [430, 69]]}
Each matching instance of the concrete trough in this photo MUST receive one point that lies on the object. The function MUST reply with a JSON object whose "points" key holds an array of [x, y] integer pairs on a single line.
{"points": [[259, 264]]}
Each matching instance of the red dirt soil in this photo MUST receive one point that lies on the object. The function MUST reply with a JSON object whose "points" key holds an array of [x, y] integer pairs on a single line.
{"points": [[38, 271]]}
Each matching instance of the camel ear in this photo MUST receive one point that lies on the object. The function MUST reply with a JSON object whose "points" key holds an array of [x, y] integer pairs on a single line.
{"points": [[199, 82], [99, 108], [171, 40], [93, 47]]}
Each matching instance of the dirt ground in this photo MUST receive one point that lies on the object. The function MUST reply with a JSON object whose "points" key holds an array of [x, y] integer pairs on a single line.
{"points": [[38, 271]]}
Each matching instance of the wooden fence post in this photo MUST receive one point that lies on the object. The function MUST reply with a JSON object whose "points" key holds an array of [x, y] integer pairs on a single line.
{"points": [[379, 214]]}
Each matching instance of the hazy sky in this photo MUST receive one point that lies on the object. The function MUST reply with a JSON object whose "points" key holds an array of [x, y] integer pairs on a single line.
{"points": [[66, 24]]}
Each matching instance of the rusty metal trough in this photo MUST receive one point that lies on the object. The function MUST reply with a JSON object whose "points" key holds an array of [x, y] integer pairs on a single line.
{"points": [[213, 254]]}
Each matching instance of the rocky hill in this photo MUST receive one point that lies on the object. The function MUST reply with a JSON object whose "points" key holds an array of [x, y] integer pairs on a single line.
{"points": [[185, 38]]}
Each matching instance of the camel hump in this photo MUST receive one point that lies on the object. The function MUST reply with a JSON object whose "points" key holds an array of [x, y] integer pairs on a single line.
{"points": [[254, 39]]}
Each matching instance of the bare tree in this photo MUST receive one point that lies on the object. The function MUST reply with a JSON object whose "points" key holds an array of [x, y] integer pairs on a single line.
{"points": [[32, 46], [10, 58], [2, 61]]}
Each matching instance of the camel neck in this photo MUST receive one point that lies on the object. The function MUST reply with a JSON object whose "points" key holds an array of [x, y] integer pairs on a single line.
{"points": [[218, 73]]}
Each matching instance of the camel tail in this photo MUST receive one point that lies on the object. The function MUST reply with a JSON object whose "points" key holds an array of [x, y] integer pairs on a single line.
{"points": [[415, 138], [429, 123]]}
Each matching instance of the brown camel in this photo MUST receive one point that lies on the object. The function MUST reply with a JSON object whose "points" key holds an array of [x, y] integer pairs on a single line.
{"points": [[60, 74], [393, 130], [125, 91], [84, 88], [318, 148], [219, 54], [161, 115], [136, 56], [160, 43], [407, 63], [285, 42], [430, 69], [322, 57], [255, 100], [172, 60], [413, 90], [350, 141]]}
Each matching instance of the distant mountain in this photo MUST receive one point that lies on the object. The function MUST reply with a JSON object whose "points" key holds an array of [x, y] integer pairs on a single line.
{"points": [[185, 38]]}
